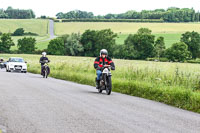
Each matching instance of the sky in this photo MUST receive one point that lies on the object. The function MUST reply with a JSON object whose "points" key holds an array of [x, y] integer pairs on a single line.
{"points": [[98, 7]]}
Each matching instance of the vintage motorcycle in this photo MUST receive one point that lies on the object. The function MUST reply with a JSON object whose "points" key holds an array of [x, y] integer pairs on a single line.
{"points": [[105, 81], [45, 69]]}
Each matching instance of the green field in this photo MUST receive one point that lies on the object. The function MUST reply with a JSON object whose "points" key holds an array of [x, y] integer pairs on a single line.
{"points": [[170, 31], [41, 41], [170, 38], [172, 83], [125, 28], [29, 25]]}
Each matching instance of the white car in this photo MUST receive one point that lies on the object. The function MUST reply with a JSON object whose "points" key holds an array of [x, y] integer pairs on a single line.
{"points": [[16, 64]]}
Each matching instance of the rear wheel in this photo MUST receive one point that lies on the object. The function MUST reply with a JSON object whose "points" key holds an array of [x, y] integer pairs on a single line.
{"points": [[109, 86]]}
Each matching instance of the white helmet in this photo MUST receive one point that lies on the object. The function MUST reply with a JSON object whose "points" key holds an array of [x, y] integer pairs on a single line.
{"points": [[103, 51], [44, 54]]}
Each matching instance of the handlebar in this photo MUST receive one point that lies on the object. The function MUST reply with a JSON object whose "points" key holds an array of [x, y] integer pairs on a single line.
{"points": [[45, 61]]}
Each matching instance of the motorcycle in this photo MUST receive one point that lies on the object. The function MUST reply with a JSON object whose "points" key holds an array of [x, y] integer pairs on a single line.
{"points": [[105, 81], [2, 65], [45, 69]]}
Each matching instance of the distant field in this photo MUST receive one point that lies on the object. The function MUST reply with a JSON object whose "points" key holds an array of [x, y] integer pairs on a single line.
{"points": [[170, 31], [170, 38], [30, 25], [125, 28]]}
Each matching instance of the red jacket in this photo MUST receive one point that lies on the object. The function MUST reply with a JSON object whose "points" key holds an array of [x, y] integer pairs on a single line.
{"points": [[99, 62]]}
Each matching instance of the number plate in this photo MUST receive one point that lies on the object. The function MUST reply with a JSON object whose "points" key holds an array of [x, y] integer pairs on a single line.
{"points": [[18, 68]]}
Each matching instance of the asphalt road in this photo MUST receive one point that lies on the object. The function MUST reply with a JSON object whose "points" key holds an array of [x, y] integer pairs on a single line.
{"points": [[51, 29], [31, 104]]}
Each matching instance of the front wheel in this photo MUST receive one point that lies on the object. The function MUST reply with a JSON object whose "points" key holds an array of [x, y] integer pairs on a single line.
{"points": [[109, 86]]}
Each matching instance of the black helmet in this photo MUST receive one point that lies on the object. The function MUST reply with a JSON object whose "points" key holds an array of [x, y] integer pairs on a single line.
{"points": [[103, 51]]}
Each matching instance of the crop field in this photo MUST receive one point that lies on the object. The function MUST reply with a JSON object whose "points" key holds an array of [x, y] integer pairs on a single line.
{"points": [[170, 31], [125, 28], [29, 25], [176, 84], [169, 38]]}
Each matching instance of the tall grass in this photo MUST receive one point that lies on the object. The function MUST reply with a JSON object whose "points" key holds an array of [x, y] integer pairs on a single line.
{"points": [[172, 83]]}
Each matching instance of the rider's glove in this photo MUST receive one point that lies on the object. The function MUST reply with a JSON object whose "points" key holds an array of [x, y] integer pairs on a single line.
{"points": [[112, 68]]}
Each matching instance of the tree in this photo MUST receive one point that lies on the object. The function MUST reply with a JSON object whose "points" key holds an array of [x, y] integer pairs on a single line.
{"points": [[178, 52], [5, 43], [56, 47], [140, 45], [93, 41], [159, 46], [26, 45], [144, 31], [105, 39], [192, 39], [18, 32], [88, 40], [72, 44]]}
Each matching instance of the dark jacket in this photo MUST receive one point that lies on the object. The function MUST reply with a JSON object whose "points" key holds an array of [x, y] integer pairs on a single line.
{"points": [[99, 62], [43, 59]]}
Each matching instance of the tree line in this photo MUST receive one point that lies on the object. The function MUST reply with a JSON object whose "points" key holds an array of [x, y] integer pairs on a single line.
{"points": [[172, 14], [140, 46], [11, 13]]}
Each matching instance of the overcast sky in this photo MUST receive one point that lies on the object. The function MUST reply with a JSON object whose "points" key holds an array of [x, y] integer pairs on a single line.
{"points": [[98, 7]]}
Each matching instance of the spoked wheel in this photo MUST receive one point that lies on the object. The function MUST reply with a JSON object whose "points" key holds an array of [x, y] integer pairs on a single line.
{"points": [[45, 72], [108, 86]]}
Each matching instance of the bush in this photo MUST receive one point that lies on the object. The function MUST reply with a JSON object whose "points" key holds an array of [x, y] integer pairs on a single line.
{"points": [[194, 61], [30, 34], [18, 32], [27, 45], [56, 47], [178, 52], [5, 43], [140, 45]]}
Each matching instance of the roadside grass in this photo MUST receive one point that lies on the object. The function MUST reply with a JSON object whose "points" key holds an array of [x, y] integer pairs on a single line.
{"points": [[175, 84], [29, 25]]}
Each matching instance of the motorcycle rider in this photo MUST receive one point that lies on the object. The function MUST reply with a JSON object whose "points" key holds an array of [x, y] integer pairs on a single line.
{"points": [[42, 59], [100, 62], [1, 63]]}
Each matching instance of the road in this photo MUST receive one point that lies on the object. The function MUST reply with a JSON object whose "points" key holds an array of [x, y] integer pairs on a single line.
{"points": [[31, 104], [51, 29]]}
